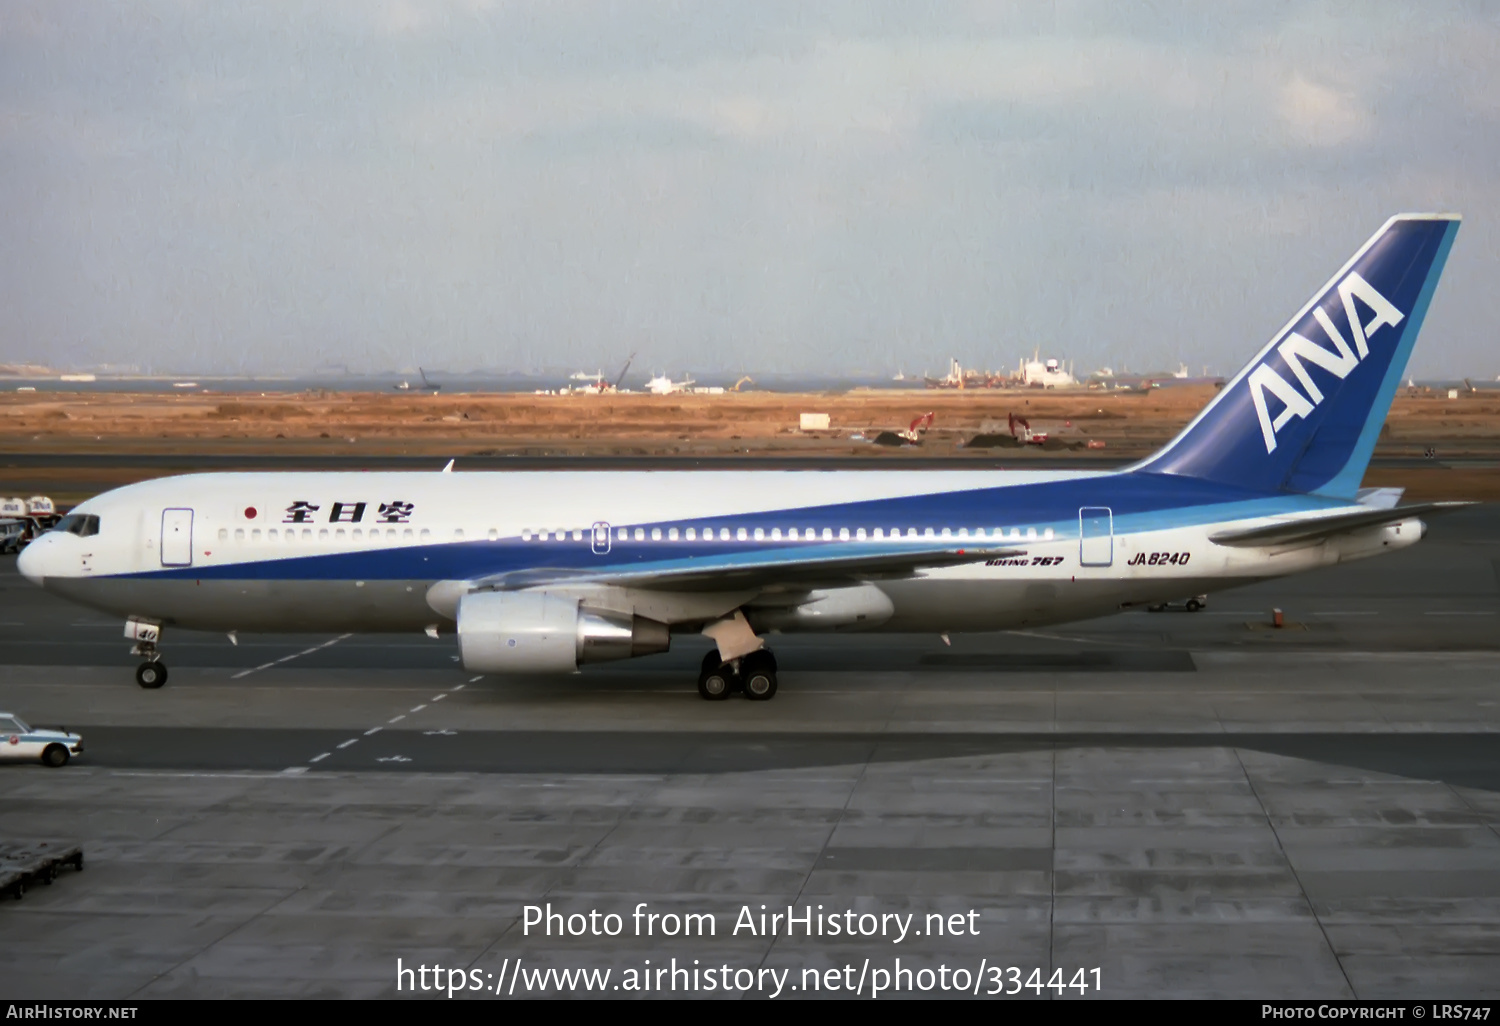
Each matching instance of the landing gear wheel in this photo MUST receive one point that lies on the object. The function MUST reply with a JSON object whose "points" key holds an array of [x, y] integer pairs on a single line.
{"points": [[151, 675], [55, 756], [716, 680], [1193, 605], [758, 671]]}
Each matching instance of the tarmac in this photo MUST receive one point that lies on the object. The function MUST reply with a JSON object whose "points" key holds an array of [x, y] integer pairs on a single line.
{"points": [[1194, 804]]}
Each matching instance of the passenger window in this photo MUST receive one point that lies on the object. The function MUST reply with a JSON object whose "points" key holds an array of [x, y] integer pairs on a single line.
{"points": [[239, 534], [963, 532], [307, 534], [1047, 534], [828, 534], [640, 534], [271, 535], [656, 534], [322, 534], [1031, 534], [671, 534], [927, 533], [723, 534], [860, 534], [947, 532], [879, 532], [776, 534], [255, 535], [791, 532], [407, 534], [622, 534], [760, 534], [525, 534], [458, 534], [426, 534], [223, 534], [843, 534], [338, 533], [692, 534]]}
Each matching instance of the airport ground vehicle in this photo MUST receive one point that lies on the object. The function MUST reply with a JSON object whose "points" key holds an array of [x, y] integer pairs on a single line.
{"points": [[18, 741], [12, 535], [1191, 605], [541, 572]]}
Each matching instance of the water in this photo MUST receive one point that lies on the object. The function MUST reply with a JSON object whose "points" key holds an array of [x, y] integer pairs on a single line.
{"points": [[451, 384]]}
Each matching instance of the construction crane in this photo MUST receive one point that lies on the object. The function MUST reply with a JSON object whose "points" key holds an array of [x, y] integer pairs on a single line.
{"points": [[1020, 430], [918, 427], [616, 386]]}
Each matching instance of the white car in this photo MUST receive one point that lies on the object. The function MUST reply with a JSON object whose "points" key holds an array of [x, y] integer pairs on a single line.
{"points": [[52, 747], [1191, 605]]}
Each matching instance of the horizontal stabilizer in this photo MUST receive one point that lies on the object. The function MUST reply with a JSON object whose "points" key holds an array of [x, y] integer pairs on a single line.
{"points": [[1320, 526], [1379, 498], [763, 571]]}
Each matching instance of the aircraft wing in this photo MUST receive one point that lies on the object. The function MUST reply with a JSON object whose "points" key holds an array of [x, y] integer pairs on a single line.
{"points": [[757, 571], [1319, 526]]}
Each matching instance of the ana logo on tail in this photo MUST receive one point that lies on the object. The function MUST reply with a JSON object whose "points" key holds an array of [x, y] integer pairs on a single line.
{"points": [[1338, 361]]}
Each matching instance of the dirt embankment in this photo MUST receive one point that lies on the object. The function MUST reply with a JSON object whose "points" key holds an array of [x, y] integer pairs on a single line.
{"points": [[1121, 426], [1129, 424]]}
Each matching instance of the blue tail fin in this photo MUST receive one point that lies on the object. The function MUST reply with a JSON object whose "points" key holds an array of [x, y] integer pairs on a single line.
{"points": [[1303, 415]]}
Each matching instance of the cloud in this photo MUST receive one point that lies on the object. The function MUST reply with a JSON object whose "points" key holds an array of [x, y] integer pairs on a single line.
{"points": [[1318, 115], [521, 183]]}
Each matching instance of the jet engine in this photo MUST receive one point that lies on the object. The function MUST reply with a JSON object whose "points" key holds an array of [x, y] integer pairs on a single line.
{"points": [[538, 632]]}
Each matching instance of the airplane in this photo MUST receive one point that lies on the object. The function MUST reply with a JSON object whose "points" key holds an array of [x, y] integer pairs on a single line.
{"points": [[544, 572], [662, 384]]}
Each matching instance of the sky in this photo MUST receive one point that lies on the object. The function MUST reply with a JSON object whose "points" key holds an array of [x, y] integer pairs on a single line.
{"points": [[777, 185]]}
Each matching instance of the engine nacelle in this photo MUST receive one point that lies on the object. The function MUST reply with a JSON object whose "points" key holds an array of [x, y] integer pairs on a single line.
{"points": [[538, 632]]}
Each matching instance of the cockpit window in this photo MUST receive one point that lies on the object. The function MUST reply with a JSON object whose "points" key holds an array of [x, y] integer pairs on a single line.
{"points": [[85, 525]]}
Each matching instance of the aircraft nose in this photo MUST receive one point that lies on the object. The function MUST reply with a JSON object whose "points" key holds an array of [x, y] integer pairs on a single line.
{"points": [[31, 561]]}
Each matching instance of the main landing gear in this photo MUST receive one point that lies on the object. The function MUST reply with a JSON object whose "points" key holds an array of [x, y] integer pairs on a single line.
{"points": [[153, 672], [754, 675]]}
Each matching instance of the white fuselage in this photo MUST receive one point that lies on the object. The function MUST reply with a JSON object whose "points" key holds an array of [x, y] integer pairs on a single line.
{"points": [[364, 551]]}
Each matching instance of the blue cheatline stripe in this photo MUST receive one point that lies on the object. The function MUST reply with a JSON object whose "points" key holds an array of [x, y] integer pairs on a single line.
{"points": [[1347, 481], [1140, 502]]}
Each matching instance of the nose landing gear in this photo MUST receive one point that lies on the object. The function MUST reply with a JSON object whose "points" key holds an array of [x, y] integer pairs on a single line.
{"points": [[153, 672], [151, 675]]}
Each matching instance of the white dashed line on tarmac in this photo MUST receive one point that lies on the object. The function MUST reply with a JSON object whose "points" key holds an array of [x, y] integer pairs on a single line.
{"points": [[320, 758], [289, 658], [472, 680], [418, 708], [372, 730], [246, 673], [349, 742], [438, 698], [396, 719]]}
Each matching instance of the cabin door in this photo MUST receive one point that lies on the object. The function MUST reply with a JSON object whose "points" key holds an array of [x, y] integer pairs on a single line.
{"points": [[176, 537], [1096, 536]]}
